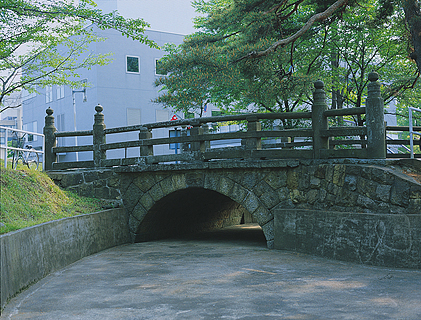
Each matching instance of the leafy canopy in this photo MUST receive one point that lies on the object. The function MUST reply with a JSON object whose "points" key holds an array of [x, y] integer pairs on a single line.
{"points": [[253, 55], [45, 42]]}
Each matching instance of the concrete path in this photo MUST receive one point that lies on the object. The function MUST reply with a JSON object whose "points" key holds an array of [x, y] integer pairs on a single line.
{"points": [[218, 276]]}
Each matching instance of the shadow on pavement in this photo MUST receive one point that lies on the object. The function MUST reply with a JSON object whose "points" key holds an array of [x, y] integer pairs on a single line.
{"points": [[250, 234]]}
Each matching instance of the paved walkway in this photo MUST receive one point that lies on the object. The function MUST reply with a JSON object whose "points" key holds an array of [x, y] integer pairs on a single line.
{"points": [[220, 276]]}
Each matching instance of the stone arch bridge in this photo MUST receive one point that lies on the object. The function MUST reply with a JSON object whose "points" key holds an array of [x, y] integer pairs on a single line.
{"points": [[367, 211]]}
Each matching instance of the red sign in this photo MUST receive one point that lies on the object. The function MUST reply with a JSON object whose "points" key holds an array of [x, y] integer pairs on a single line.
{"points": [[174, 118]]}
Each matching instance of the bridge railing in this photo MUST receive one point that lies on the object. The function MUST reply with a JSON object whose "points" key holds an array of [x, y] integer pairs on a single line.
{"points": [[316, 141]]}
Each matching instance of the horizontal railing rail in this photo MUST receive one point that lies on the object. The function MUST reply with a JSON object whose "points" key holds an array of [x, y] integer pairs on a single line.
{"points": [[4, 146], [200, 140]]}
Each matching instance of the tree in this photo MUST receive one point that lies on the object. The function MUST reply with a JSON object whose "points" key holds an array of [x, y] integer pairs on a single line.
{"points": [[266, 54], [48, 40]]}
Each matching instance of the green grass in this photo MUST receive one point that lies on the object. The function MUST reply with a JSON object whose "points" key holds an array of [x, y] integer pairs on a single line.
{"points": [[29, 197]]}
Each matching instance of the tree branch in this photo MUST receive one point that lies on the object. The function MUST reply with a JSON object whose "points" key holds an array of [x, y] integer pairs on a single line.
{"points": [[317, 17]]}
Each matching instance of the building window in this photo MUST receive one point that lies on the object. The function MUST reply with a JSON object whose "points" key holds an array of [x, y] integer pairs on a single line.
{"points": [[133, 117], [132, 64], [48, 94], [60, 92], [158, 69]]}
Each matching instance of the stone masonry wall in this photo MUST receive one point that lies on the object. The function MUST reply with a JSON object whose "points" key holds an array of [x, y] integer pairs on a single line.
{"points": [[260, 187]]}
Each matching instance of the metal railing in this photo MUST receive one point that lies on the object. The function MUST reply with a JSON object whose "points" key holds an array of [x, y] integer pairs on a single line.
{"points": [[411, 130], [6, 148]]}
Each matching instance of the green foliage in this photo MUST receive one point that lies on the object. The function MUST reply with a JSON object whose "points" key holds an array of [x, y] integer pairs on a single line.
{"points": [[49, 41], [29, 197], [228, 61]]}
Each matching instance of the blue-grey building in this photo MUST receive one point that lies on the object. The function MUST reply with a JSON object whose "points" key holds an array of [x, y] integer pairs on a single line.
{"points": [[125, 89]]}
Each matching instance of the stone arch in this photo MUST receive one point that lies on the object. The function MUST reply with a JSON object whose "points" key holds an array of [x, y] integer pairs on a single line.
{"points": [[168, 186]]}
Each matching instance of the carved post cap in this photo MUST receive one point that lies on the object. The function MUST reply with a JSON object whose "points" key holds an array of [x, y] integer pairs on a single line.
{"points": [[373, 76], [49, 111], [99, 108], [319, 84]]}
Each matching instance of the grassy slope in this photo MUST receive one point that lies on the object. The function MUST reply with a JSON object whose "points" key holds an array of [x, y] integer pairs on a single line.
{"points": [[29, 197]]}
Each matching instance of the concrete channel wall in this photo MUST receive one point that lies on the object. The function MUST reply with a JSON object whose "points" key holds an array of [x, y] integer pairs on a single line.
{"points": [[30, 254], [388, 240]]}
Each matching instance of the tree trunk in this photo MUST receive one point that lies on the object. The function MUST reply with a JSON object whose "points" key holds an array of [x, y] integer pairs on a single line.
{"points": [[413, 19]]}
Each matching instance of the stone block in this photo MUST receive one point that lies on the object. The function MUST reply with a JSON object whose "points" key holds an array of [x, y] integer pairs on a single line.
{"points": [[226, 185], [251, 202], [139, 212], [113, 182], [238, 193], [99, 183], [133, 224], [367, 188], [86, 190], [102, 193], [262, 215], [283, 194], [296, 196], [292, 179], [269, 199], [383, 175], [366, 202], [268, 230], [346, 198], [320, 171], [339, 174], [311, 196], [399, 194], [114, 194], [125, 181], [212, 181], [277, 179], [71, 179], [195, 179], [250, 179], [350, 182], [167, 186], [131, 197], [156, 192], [179, 181], [90, 176], [261, 188], [383, 192], [314, 183], [145, 181], [146, 201]]}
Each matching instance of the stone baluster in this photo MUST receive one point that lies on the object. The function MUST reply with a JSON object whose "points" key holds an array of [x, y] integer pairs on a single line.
{"points": [[376, 131], [50, 140], [145, 134], [99, 136], [319, 121], [253, 126], [196, 131], [184, 145]]}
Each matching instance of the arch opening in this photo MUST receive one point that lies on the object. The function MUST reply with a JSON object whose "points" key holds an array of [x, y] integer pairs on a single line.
{"points": [[191, 211]]}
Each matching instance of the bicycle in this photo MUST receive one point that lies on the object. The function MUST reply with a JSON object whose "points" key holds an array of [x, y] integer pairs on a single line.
{"points": [[25, 154]]}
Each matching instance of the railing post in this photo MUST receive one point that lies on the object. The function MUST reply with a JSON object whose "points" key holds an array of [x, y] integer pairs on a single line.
{"points": [[319, 121], [50, 140], [375, 119], [195, 131], [145, 134], [99, 136], [205, 128], [184, 145], [253, 125]]}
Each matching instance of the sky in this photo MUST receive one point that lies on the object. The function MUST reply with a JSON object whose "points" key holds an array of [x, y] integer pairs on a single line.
{"points": [[163, 15]]}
